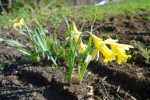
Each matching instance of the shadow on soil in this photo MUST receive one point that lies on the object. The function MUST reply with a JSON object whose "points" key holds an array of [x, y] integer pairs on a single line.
{"points": [[138, 87]]}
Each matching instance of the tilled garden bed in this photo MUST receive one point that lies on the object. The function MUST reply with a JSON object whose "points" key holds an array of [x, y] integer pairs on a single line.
{"points": [[129, 81]]}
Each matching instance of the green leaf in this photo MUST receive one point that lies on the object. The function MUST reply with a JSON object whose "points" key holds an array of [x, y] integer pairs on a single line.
{"points": [[25, 51], [40, 40], [13, 43]]}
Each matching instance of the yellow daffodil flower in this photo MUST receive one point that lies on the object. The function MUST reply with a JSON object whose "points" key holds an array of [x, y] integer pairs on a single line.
{"points": [[82, 47], [119, 50], [19, 22], [100, 45]]}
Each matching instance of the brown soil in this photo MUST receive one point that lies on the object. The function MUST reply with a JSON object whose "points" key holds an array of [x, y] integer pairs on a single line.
{"points": [[130, 81]]}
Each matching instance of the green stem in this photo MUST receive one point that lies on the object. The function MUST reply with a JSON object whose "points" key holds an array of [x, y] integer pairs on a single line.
{"points": [[84, 67]]}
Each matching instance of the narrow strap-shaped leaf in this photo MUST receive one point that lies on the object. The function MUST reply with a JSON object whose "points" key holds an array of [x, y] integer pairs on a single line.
{"points": [[40, 40], [25, 51], [12, 42]]}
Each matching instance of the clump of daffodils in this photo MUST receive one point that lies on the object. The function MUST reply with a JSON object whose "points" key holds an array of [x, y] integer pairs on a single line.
{"points": [[113, 52]]}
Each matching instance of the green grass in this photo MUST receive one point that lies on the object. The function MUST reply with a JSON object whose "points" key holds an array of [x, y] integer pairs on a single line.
{"points": [[130, 7], [56, 14]]}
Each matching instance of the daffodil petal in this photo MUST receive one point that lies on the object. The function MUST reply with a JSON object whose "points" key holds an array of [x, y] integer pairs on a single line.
{"points": [[110, 41], [124, 46], [75, 30]]}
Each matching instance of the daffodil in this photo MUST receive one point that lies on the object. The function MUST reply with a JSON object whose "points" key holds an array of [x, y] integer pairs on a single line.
{"points": [[82, 47], [100, 45], [119, 50], [19, 22]]}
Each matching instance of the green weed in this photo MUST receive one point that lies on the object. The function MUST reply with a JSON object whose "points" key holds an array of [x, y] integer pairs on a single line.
{"points": [[143, 51]]}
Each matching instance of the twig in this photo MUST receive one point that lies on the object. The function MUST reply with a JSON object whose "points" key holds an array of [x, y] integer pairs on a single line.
{"points": [[105, 88]]}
